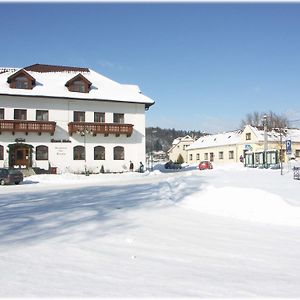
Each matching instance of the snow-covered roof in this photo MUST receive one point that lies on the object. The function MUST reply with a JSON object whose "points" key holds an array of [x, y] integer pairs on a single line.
{"points": [[274, 134], [220, 139], [52, 84]]}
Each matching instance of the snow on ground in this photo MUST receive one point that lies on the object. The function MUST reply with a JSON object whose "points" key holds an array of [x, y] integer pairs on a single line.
{"points": [[226, 232]]}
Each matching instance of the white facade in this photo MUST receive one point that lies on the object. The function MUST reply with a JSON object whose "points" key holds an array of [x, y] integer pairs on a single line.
{"points": [[60, 107]]}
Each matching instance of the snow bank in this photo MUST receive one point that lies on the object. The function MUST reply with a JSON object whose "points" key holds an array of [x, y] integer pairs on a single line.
{"points": [[244, 203]]}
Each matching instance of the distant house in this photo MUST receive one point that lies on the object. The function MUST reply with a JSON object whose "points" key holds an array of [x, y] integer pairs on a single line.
{"points": [[179, 146], [71, 119], [247, 144]]}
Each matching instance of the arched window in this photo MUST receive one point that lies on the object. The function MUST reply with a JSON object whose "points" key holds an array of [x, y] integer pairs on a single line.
{"points": [[99, 153], [1, 153], [118, 153], [41, 153], [79, 153]]}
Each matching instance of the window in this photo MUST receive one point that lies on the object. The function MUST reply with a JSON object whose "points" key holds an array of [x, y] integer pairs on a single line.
{"points": [[99, 117], [22, 82], [42, 115], [1, 113], [78, 84], [205, 156], [119, 118], [118, 153], [198, 156], [1, 152], [221, 155], [41, 153], [20, 114], [99, 153], [248, 136], [231, 154], [79, 116], [211, 156], [297, 153], [79, 153], [191, 156]]}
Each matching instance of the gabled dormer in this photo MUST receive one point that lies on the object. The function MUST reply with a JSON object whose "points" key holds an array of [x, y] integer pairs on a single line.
{"points": [[79, 84], [21, 80]]}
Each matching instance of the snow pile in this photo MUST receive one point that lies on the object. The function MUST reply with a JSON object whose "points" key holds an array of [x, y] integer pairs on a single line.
{"points": [[244, 203]]}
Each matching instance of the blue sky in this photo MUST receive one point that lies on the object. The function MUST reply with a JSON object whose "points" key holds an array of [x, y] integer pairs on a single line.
{"points": [[205, 64]]}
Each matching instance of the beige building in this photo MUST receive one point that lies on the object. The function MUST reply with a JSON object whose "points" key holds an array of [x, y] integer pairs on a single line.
{"points": [[247, 144], [179, 146]]}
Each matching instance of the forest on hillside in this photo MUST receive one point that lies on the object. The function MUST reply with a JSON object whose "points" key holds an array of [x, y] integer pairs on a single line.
{"points": [[161, 139]]}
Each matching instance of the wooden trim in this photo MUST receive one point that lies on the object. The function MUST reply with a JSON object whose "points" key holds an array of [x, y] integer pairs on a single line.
{"points": [[100, 128], [27, 126]]}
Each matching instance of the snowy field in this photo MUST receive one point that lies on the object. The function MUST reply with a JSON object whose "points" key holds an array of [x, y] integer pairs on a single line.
{"points": [[227, 232]]}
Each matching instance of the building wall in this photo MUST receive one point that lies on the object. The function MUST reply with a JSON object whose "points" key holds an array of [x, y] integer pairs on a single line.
{"points": [[61, 111], [197, 155], [179, 149]]}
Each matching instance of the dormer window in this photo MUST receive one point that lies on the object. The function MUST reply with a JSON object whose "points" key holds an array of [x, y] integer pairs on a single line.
{"points": [[79, 84], [21, 80]]}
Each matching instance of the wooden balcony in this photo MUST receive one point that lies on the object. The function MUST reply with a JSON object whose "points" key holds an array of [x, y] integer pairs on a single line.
{"points": [[100, 128], [27, 126]]}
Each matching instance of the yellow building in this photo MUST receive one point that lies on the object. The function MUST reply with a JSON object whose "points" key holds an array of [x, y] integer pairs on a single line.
{"points": [[179, 146], [245, 145]]}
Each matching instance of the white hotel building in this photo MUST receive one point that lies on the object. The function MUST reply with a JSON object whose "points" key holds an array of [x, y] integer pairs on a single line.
{"points": [[70, 119]]}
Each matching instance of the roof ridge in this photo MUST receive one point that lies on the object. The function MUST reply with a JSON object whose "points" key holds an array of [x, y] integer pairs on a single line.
{"points": [[43, 68]]}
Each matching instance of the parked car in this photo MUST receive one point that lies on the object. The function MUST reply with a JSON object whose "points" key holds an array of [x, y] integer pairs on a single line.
{"points": [[205, 165], [10, 176], [171, 165]]}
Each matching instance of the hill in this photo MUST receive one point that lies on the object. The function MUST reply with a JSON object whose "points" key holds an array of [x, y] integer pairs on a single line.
{"points": [[161, 139]]}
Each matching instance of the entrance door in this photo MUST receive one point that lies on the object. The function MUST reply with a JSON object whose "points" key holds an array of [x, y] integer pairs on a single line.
{"points": [[20, 156]]}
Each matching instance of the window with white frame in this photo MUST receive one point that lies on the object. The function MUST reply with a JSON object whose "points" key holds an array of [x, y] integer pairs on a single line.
{"points": [[231, 154], [205, 156], [198, 156], [42, 115], [99, 117], [1, 113], [41, 153], [79, 153], [221, 155], [191, 156], [99, 153], [119, 153]]}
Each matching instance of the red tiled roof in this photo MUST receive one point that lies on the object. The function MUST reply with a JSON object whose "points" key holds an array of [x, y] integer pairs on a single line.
{"points": [[50, 68]]}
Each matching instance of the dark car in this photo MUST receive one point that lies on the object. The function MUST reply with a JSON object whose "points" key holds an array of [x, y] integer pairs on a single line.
{"points": [[205, 165], [171, 165], [10, 176]]}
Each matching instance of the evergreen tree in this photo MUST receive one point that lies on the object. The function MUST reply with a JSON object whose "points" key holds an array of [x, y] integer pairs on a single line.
{"points": [[180, 159]]}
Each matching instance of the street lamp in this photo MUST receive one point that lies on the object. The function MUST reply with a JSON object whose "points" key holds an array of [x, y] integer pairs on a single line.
{"points": [[152, 148], [83, 133]]}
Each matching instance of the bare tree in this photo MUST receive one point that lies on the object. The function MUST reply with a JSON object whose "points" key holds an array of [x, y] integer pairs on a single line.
{"points": [[273, 120]]}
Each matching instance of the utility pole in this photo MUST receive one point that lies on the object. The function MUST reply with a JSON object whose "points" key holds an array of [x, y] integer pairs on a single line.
{"points": [[265, 123]]}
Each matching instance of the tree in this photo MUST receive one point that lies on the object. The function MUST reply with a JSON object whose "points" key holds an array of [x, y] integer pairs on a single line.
{"points": [[180, 159], [273, 120]]}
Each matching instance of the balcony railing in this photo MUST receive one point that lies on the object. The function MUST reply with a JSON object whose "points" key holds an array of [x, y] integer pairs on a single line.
{"points": [[100, 128], [27, 126]]}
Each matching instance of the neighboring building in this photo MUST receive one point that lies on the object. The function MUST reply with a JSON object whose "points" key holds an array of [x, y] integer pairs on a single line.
{"points": [[247, 143], [179, 146], [71, 119]]}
